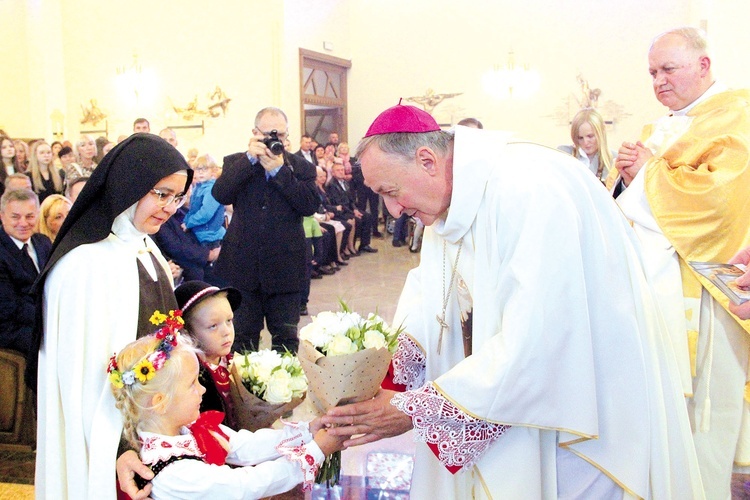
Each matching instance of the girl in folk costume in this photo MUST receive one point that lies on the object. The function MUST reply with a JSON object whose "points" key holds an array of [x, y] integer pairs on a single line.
{"points": [[209, 312], [103, 280], [156, 387]]}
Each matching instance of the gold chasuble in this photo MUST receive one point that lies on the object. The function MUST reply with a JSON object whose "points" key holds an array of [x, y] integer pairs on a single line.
{"points": [[698, 189], [690, 202]]}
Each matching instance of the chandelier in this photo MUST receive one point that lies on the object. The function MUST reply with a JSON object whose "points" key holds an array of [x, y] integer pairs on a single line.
{"points": [[511, 81]]}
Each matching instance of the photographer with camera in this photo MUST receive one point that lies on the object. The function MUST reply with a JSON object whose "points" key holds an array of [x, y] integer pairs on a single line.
{"points": [[263, 253]]}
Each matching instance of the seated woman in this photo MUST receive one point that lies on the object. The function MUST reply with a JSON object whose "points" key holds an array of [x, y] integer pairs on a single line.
{"points": [[56, 146], [52, 213], [45, 177], [22, 155], [590, 143], [339, 214], [348, 161], [327, 223], [8, 157], [86, 151]]}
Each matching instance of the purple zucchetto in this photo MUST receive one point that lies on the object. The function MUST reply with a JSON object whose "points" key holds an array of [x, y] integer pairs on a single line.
{"points": [[402, 119]]}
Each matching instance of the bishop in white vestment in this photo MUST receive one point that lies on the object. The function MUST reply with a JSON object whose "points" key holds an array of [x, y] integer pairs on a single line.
{"points": [[564, 384]]}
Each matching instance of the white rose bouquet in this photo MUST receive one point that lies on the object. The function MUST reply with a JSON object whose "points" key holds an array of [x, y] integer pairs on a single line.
{"points": [[264, 386], [345, 358]]}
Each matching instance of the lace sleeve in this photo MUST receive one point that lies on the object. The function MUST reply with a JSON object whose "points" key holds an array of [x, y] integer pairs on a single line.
{"points": [[459, 439], [408, 364], [307, 456]]}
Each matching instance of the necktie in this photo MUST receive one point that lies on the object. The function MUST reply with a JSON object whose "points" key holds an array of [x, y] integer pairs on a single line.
{"points": [[28, 262]]}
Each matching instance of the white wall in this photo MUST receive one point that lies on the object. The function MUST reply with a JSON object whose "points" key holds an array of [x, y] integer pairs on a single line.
{"points": [[16, 101], [397, 48], [448, 46]]}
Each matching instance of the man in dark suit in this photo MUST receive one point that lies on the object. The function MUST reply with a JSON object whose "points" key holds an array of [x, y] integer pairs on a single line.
{"points": [[22, 255], [263, 253], [305, 149], [340, 193]]}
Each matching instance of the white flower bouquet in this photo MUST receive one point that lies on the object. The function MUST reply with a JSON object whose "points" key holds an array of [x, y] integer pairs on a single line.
{"points": [[264, 386], [345, 358]]}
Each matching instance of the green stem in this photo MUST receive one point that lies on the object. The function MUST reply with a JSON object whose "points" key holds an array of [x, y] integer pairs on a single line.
{"points": [[330, 470]]}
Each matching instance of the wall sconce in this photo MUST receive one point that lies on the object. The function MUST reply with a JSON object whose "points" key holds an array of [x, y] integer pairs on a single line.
{"points": [[511, 81], [58, 120], [135, 85], [129, 77]]}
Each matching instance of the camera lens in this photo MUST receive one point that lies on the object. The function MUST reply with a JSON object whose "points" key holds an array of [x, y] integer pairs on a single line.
{"points": [[273, 143], [276, 147]]}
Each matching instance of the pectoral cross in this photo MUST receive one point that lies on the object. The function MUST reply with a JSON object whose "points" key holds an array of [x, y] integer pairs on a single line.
{"points": [[443, 326]]}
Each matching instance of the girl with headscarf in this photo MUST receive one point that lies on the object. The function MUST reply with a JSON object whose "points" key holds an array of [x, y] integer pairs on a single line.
{"points": [[103, 281]]}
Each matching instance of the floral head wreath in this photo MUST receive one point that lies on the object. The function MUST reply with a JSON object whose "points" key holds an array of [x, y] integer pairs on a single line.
{"points": [[144, 370]]}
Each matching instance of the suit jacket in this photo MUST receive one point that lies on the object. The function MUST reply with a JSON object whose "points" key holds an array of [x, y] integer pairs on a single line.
{"points": [[328, 206], [265, 243], [338, 196], [182, 247], [312, 155], [17, 296]]}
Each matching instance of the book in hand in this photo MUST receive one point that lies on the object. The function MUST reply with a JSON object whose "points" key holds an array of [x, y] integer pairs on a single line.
{"points": [[724, 276]]}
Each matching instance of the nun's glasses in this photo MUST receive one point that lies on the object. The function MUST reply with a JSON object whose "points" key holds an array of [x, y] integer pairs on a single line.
{"points": [[168, 199]]}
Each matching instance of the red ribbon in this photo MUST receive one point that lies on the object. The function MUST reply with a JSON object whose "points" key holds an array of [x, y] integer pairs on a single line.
{"points": [[214, 453]]}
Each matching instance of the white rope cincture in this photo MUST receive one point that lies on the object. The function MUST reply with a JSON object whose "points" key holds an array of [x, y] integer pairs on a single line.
{"points": [[706, 412]]}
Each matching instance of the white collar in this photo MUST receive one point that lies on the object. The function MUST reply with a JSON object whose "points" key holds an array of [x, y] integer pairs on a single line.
{"points": [[20, 243], [472, 167], [158, 447], [715, 88], [124, 228]]}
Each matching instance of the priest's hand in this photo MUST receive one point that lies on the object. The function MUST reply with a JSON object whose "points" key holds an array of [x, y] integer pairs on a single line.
{"points": [[367, 421], [630, 158], [743, 257], [128, 465]]}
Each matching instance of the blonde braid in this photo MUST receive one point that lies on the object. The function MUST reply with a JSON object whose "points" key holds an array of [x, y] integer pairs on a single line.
{"points": [[134, 401], [131, 414]]}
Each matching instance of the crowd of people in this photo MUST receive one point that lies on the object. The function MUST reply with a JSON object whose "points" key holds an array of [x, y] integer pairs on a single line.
{"points": [[622, 374], [191, 240]]}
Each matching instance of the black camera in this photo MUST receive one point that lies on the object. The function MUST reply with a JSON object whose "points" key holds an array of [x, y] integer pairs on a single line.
{"points": [[273, 143]]}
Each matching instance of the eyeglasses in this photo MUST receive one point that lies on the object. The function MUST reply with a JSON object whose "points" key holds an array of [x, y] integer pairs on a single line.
{"points": [[280, 135], [168, 199], [201, 169]]}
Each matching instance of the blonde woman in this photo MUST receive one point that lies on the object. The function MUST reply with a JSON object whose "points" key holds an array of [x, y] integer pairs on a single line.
{"points": [[86, 151], [590, 142], [45, 176], [52, 213], [8, 156], [22, 155]]}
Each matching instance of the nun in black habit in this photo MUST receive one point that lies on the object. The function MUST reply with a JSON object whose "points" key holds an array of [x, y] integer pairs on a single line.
{"points": [[102, 283]]}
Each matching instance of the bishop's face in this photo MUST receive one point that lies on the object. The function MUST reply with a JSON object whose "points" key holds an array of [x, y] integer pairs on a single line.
{"points": [[420, 187]]}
